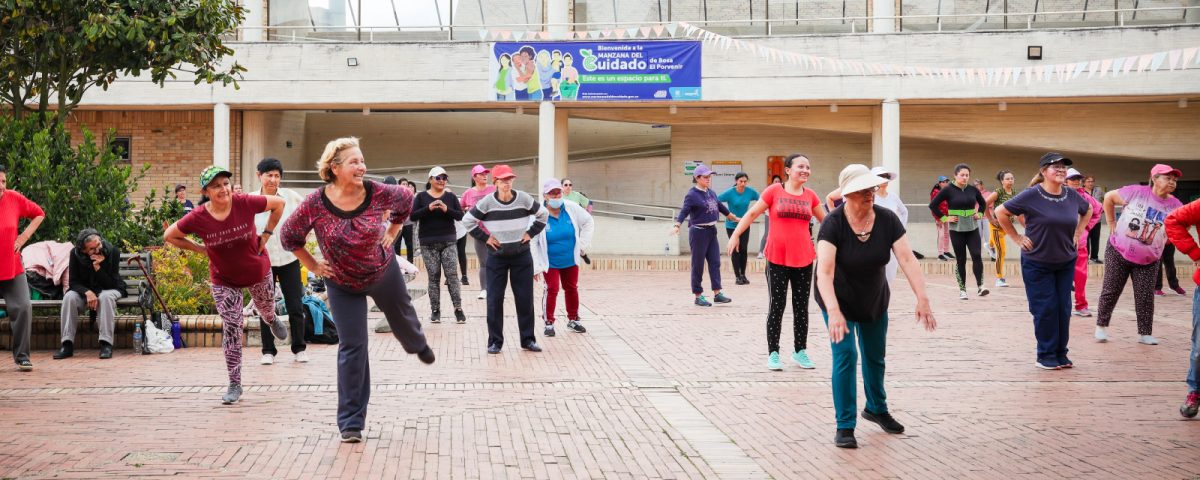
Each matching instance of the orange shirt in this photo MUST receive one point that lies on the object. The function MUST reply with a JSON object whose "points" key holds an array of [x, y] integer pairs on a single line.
{"points": [[13, 207]]}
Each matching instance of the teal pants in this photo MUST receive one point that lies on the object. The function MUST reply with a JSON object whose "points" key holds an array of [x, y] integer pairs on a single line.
{"points": [[871, 338]]}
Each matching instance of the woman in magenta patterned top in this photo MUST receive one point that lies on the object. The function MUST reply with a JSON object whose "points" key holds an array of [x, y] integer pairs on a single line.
{"points": [[347, 216]]}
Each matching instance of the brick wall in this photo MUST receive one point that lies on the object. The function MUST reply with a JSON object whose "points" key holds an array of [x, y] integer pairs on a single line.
{"points": [[176, 144]]}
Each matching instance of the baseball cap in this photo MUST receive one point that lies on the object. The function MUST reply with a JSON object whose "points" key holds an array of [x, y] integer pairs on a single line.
{"points": [[943, 178], [883, 172], [551, 184], [701, 170], [501, 172], [1052, 157], [211, 173], [435, 171], [1072, 173], [478, 169], [1163, 169]]}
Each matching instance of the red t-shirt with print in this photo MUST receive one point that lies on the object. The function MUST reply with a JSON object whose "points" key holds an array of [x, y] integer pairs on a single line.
{"points": [[789, 242], [233, 257]]}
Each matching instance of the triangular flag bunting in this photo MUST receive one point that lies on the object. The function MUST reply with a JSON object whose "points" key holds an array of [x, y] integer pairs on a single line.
{"points": [[1174, 56], [483, 34], [1157, 61], [646, 31], [518, 35], [1091, 69], [1105, 65], [1129, 62], [1188, 54], [505, 34], [1079, 67], [1143, 62], [632, 32], [1016, 75]]}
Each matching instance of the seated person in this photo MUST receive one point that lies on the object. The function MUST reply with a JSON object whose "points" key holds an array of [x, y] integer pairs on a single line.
{"points": [[95, 283]]}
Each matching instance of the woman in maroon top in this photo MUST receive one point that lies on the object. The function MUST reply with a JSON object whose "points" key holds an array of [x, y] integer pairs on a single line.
{"points": [[236, 260], [14, 290], [347, 214]]}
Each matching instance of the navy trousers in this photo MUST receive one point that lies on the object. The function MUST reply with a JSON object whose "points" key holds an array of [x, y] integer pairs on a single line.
{"points": [[1048, 289], [705, 247]]}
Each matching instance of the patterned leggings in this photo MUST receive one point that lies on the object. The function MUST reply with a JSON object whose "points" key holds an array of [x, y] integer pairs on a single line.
{"points": [[778, 278], [1001, 247], [441, 256], [1116, 271], [229, 306]]}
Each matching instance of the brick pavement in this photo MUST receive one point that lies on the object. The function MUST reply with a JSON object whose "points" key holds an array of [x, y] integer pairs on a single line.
{"points": [[657, 389]]}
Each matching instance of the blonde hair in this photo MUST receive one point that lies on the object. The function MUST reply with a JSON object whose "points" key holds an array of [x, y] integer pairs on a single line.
{"points": [[330, 157]]}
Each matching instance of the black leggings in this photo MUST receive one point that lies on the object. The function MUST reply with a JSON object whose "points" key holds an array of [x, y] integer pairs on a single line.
{"points": [[778, 277], [739, 257], [967, 241], [462, 256], [1167, 263], [1094, 242], [406, 235]]}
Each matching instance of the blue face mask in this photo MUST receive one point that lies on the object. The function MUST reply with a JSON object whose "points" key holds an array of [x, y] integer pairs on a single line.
{"points": [[554, 202]]}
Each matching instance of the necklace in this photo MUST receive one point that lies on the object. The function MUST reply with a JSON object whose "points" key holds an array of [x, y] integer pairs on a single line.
{"points": [[1045, 195], [867, 221]]}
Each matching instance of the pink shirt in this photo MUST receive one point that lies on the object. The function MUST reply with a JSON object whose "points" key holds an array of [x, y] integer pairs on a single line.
{"points": [[1139, 234], [472, 196], [789, 243], [234, 260], [13, 207]]}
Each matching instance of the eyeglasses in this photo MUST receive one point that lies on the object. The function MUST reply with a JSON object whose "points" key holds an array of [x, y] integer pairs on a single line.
{"points": [[1058, 166], [441, 178]]}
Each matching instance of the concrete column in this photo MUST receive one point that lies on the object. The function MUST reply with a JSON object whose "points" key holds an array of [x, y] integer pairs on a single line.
{"points": [[552, 143], [885, 139], [254, 18], [883, 8], [221, 135], [558, 11], [254, 147]]}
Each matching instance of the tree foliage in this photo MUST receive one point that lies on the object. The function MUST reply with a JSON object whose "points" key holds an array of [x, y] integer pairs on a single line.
{"points": [[53, 51]]}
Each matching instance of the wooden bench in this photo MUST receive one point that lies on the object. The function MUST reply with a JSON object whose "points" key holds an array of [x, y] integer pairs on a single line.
{"points": [[45, 330]]}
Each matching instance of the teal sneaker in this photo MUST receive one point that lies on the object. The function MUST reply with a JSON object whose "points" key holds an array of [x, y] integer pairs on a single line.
{"points": [[773, 361], [702, 302], [801, 359]]}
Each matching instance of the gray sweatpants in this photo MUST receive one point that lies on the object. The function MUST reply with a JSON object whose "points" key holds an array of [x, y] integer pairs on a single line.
{"points": [[483, 253], [15, 292], [106, 314], [349, 310]]}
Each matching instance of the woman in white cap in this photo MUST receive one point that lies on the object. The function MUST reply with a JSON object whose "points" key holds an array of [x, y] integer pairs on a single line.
{"points": [[435, 210], [1135, 247], [558, 252], [701, 208], [854, 245], [789, 253], [237, 260], [470, 197], [1075, 181], [1055, 217]]}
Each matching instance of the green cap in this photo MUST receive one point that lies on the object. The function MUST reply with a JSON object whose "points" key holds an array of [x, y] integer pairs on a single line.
{"points": [[211, 173]]}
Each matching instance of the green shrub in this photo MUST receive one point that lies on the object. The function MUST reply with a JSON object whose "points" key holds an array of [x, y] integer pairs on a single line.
{"points": [[182, 279]]}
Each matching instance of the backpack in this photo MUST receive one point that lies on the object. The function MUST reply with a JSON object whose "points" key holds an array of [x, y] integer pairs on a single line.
{"points": [[318, 322]]}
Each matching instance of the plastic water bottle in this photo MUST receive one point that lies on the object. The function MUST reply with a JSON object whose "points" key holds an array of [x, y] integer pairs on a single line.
{"points": [[137, 339]]}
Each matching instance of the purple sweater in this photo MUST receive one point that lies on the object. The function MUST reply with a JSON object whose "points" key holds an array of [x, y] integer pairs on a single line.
{"points": [[350, 241], [702, 207]]}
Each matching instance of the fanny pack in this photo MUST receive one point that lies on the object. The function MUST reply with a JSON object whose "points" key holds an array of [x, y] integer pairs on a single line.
{"points": [[510, 250]]}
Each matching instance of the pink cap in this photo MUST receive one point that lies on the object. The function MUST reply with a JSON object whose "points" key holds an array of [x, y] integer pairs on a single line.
{"points": [[478, 170], [1162, 169]]}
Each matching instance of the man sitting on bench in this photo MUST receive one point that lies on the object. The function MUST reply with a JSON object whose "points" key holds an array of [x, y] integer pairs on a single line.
{"points": [[95, 283]]}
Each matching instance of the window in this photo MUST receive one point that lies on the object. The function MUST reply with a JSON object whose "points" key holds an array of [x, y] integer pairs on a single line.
{"points": [[121, 146]]}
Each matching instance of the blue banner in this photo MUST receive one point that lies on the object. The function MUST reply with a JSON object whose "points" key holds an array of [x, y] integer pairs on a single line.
{"points": [[595, 71]]}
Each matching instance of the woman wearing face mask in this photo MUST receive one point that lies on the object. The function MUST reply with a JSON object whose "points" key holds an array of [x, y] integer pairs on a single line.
{"points": [[739, 197], [963, 202], [435, 210], [701, 208], [558, 253], [995, 199]]}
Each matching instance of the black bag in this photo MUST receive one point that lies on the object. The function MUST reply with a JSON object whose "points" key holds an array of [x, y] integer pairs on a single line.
{"points": [[511, 250], [44, 286], [329, 335]]}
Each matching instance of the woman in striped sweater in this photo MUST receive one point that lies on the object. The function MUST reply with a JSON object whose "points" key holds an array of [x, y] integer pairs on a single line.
{"points": [[506, 221]]}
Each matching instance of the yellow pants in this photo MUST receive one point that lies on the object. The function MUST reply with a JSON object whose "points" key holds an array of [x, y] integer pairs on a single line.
{"points": [[998, 243]]}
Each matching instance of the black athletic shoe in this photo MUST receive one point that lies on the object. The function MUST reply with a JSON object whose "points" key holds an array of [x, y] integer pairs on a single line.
{"points": [[576, 327], [459, 316], [549, 330], [465, 281], [844, 438], [531, 346], [918, 255], [426, 355], [885, 420], [67, 351], [352, 436], [493, 349], [949, 255], [24, 365], [435, 318], [105, 350], [943, 258]]}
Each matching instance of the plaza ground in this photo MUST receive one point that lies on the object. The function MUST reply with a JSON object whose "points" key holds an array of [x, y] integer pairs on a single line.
{"points": [[657, 388]]}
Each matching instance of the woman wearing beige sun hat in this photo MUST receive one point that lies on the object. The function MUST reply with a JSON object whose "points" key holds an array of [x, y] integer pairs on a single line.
{"points": [[854, 245]]}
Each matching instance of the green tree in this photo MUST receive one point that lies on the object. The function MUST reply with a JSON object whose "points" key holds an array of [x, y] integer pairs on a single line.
{"points": [[53, 51]]}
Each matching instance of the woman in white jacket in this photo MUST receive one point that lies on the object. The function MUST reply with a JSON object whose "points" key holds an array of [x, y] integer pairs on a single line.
{"points": [[558, 252]]}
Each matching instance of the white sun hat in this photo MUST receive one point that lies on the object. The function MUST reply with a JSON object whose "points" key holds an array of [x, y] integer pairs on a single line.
{"points": [[856, 177]]}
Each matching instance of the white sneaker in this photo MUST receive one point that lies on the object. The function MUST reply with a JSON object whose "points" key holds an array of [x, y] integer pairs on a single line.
{"points": [[1148, 340], [983, 291], [962, 294], [302, 357], [1101, 334], [482, 295], [1000, 283], [267, 359]]}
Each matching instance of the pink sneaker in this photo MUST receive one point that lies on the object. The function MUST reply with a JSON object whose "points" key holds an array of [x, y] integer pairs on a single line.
{"points": [[1180, 291], [1159, 293]]}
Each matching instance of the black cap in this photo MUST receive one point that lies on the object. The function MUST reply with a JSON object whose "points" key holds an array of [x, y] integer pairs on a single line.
{"points": [[1052, 157], [390, 180]]}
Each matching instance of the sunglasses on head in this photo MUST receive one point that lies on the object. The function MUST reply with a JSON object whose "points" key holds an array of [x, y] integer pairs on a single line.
{"points": [[442, 177]]}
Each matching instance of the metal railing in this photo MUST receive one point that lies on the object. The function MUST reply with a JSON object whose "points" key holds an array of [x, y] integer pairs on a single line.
{"points": [[1120, 17]]}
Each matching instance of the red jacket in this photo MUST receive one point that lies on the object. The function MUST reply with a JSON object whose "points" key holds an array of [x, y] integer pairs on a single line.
{"points": [[1177, 225]]}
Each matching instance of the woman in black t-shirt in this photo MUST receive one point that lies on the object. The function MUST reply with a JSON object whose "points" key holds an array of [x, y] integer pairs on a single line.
{"points": [[854, 245]]}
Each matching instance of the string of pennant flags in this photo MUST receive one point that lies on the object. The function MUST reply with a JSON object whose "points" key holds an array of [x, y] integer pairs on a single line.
{"points": [[1167, 60]]}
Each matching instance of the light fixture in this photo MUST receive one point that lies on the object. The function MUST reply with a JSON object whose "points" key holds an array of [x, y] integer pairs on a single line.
{"points": [[833, 108], [1183, 103], [288, 143], [1033, 52], [1003, 106], [520, 110], [366, 111], [351, 61], [674, 109]]}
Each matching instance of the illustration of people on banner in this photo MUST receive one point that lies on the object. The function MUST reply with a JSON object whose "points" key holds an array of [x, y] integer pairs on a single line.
{"points": [[612, 71]]}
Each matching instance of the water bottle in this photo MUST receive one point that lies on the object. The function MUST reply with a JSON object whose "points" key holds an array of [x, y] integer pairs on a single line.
{"points": [[137, 339]]}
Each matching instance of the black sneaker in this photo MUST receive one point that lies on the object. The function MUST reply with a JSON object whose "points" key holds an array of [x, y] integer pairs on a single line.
{"points": [[1064, 362], [67, 351], [352, 436], [464, 280], [459, 316], [426, 355], [949, 255], [531, 346], [105, 350], [549, 330], [943, 258], [1097, 261], [576, 327], [435, 318], [493, 349], [24, 365], [844, 438], [885, 420], [721, 298]]}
